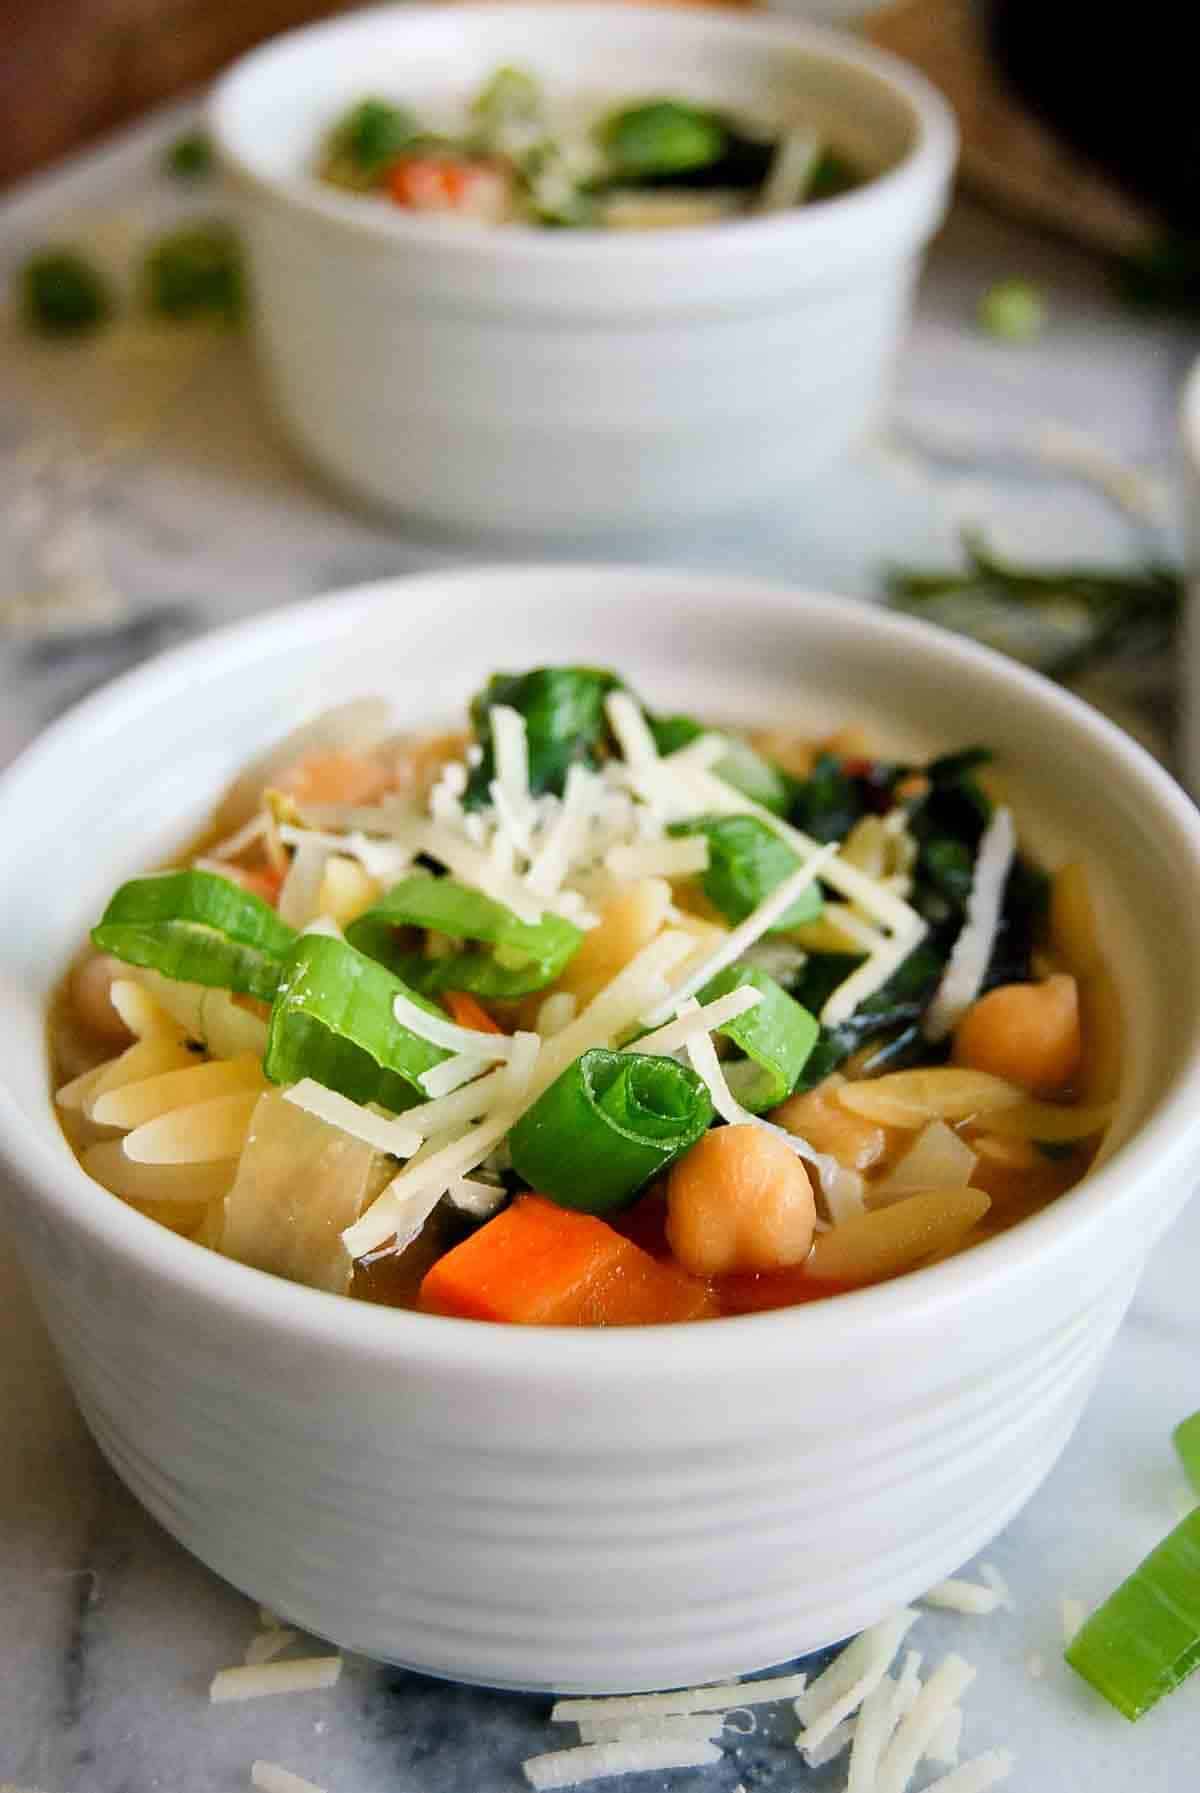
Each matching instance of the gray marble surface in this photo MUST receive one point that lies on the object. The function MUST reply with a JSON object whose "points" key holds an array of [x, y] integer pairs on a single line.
{"points": [[111, 1632]]}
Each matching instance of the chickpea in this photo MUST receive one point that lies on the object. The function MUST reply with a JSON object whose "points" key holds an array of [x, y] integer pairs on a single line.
{"points": [[739, 1200], [91, 997], [1027, 1033], [818, 1117]]}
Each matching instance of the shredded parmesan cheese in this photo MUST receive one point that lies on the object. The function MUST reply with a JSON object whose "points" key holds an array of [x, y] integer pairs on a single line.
{"points": [[659, 859], [556, 1011], [478, 1199], [961, 1596], [596, 1761], [880, 1642], [977, 1775], [720, 1698], [944, 1748], [696, 1020], [448, 1035], [307, 1674], [698, 1728], [917, 1729], [413, 1194], [267, 1645], [972, 951], [386, 1134], [269, 1777], [628, 724]]}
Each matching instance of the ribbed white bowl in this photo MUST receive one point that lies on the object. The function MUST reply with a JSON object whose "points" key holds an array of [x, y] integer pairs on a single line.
{"points": [[589, 1511], [548, 381]]}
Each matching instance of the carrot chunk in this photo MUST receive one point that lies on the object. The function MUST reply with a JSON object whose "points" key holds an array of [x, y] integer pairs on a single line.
{"points": [[465, 1011], [537, 1264]]}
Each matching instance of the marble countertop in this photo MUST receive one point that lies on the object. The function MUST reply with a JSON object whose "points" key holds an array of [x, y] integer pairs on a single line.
{"points": [[111, 1632]]}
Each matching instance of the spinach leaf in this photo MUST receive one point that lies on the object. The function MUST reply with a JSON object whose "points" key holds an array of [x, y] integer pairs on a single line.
{"points": [[895, 1009], [565, 724], [746, 861], [743, 768], [830, 801]]}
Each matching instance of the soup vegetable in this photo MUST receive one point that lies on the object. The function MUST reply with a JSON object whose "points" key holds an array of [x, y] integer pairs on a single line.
{"points": [[591, 1015], [651, 163]]}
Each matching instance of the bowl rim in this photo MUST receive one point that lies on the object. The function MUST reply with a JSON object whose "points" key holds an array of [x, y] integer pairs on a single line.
{"points": [[928, 160], [1167, 1139]]}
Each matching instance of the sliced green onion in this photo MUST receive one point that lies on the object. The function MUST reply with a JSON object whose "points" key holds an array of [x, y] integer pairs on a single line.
{"points": [[365, 141], [197, 927], [608, 1124], [776, 1036], [513, 956], [746, 860], [332, 1020], [1187, 1442], [747, 771], [510, 95], [1145, 1640], [661, 137], [63, 293]]}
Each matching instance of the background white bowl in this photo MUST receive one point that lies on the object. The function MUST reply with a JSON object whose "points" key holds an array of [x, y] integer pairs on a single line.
{"points": [[558, 380], [580, 1510], [1189, 695]]}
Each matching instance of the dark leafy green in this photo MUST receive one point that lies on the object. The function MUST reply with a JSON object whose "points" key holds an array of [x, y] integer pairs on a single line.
{"points": [[746, 861], [565, 724], [829, 801], [892, 1014], [63, 294]]}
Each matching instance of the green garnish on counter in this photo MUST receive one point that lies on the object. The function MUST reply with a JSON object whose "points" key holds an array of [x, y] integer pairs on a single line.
{"points": [[1145, 1639], [62, 293]]}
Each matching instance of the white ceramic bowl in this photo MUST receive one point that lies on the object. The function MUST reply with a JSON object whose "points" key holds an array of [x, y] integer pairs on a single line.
{"points": [[589, 1510], [1189, 696], [541, 381]]}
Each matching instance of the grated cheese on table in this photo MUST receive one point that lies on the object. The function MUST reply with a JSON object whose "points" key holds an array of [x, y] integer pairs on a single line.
{"points": [[879, 1643], [265, 1646], [719, 1698], [596, 1761], [944, 1748], [918, 1728], [955, 1595], [1073, 1613], [702, 1727], [977, 1775], [307, 1674], [269, 1777]]}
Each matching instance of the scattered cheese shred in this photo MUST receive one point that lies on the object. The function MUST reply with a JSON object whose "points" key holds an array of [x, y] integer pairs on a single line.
{"points": [[1073, 1612], [870, 1650], [481, 1200], [629, 725], [452, 1074], [556, 1012], [872, 1733], [977, 1775], [510, 747], [307, 1674], [917, 1729], [385, 1133], [944, 1748], [956, 1595], [998, 1585], [972, 951], [596, 1761], [736, 942], [719, 1698], [659, 859], [269, 1777], [267, 1645], [707, 1066], [838, 1739], [439, 1030], [689, 1728], [695, 1020], [424, 1180]]}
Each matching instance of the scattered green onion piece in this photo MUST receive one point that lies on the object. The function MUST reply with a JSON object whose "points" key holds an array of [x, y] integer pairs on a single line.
{"points": [[1014, 311], [198, 928], [62, 294], [365, 141], [332, 1020], [661, 137], [776, 1036], [509, 95], [1187, 1442], [1145, 1639], [606, 1126], [195, 271], [741, 767], [190, 157], [746, 860], [531, 954], [565, 723]]}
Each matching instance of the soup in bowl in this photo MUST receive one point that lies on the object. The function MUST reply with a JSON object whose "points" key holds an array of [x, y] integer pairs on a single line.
{"points": [[623, 1504]]}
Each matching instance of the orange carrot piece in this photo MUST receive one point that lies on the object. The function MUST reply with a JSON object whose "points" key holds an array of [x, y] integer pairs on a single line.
{"points": [[537, 1264], [465, 1011]]}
